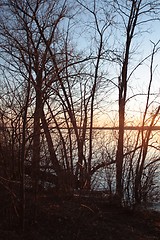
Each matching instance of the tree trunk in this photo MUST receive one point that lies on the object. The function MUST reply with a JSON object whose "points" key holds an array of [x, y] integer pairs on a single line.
{"points": [[119, 154], [36, 146]]}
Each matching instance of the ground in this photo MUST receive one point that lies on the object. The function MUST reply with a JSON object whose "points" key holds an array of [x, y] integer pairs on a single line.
{"points": [[80, 218]]}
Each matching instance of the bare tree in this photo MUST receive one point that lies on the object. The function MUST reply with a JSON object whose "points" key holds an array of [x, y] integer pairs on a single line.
{"points": [[131, 15], [22, 41], [145, 135]]}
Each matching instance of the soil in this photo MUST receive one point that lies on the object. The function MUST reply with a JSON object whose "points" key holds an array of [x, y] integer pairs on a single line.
{"points": [[80, 218]]}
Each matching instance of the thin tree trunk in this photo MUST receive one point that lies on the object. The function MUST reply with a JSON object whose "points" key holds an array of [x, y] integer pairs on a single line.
{"points": [[122, 85], [36, 147], [24, 118]]}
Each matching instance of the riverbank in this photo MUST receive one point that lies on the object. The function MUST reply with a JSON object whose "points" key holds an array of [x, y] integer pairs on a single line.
{"points": [[85, 219]]}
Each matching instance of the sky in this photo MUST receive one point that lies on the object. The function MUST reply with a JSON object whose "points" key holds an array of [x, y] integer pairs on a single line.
{"points": [[85, 36], [139, 82]]}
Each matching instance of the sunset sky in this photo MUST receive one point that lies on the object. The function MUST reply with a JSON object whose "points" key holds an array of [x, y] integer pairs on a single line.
{"points": [[142, 47]]}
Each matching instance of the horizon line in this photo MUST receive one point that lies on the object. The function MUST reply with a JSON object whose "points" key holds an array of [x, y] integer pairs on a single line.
{"points": [[153, 128]]}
